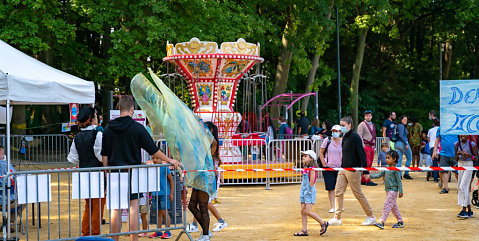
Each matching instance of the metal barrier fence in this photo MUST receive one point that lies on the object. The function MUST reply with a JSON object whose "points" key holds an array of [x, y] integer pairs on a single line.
{"points": [[38, 149], [56, 196]]}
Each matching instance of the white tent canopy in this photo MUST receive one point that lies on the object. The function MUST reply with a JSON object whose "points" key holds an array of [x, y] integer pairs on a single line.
{"points": [[25, 80]]}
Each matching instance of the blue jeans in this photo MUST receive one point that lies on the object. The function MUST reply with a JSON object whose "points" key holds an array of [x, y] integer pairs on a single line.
{"points": [[400, 148]]}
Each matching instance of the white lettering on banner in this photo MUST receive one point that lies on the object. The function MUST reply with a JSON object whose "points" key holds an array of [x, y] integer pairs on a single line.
{"points": [[459, 107], [34, 188]]}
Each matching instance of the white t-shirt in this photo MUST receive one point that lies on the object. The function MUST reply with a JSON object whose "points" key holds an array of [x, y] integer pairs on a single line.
{"points": [[431, 134], [143, 199]]}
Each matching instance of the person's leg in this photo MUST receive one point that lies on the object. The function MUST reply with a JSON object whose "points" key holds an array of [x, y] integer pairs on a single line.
{"points": [[201, 214], [304, 219], [443, 162], [387, 207], [408, 154], [115, 222], [341, 185], [144, 221], [95, 216], [354, 180], [214, 211], [399, 148], [369, 159], [395, 208], [133, 219], [331, 198], [435, 174], [85, 224], [463, 185], [315, 216]]}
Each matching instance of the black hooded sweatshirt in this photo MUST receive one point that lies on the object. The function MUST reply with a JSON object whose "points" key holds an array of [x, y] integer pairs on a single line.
{"points": [[353, 151], [123, 140]]}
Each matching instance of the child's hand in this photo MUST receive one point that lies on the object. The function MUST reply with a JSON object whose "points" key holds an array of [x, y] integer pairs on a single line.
{"points": [[400, 195], [171, 197]]}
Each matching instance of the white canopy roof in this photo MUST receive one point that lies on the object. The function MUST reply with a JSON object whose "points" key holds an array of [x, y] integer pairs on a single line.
{"points": [[26, 80]]}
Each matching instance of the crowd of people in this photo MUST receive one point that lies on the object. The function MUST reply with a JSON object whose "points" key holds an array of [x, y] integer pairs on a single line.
{"points": [[407, 137]]}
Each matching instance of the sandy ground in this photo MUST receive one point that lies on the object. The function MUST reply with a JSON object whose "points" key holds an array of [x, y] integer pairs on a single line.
{"points": [[254, 213]]}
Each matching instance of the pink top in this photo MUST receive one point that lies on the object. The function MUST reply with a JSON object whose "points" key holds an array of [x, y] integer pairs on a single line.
{"points": [[335, 153], [307, 172]]}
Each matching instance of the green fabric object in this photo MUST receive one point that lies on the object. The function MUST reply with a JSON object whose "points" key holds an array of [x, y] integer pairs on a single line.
{"points": [[188, 138]]}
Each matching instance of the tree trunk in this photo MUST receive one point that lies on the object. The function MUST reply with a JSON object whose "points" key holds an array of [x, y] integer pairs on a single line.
{"points": [[447, 60], [19, 120], [282, 70], [356, 73], [314, 65], [311, 75]]}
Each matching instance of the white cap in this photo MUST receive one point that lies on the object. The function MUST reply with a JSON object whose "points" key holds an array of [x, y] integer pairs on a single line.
{"points": [[336, 128], [311, 153]]}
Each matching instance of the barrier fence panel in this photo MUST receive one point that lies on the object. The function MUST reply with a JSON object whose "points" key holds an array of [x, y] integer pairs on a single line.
{"points": [[243, 155], [286, 154], [67, 203], [38, 149]]}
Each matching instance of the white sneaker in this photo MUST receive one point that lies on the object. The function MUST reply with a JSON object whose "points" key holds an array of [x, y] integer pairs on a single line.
{"points": [[204, 238], [335, 222], [369, 221], [331, 210], [192, 228], [220, 226]]}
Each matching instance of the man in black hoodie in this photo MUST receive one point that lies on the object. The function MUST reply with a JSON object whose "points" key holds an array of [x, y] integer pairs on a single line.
{"points": [[353, 156], [123, 140]]}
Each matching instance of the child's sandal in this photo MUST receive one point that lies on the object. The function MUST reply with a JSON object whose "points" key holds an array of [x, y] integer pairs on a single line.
{"points": [[324, 228], [302, 233]]}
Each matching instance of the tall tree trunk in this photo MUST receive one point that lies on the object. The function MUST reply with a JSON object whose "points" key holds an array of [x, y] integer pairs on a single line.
{"points": [[282, 70], [311, 75], [314, 65], [356, 73], [447, 60]]}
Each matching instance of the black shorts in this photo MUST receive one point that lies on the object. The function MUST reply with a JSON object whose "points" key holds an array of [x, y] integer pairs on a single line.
{"points": [[330, 178]]}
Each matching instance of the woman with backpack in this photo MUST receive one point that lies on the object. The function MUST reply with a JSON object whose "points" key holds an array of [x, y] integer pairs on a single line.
{"points": [[402, 145], [330, 156]]}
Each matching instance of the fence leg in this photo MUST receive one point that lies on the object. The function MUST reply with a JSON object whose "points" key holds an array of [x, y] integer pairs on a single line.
{"points": [[186, 233], [268, 186]]}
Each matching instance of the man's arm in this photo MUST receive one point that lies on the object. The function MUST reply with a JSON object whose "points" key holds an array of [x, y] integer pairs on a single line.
{"points": [[104, 160], [159, 156], [436, 144], [384, 131], [73, 155]]}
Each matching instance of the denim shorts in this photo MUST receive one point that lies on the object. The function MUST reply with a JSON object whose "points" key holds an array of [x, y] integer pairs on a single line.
{"points": [[446, 161], [308, 196], [161, 202]]}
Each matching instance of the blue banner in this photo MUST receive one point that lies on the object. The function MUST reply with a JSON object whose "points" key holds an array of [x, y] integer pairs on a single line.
{"points": [[459, 107]]}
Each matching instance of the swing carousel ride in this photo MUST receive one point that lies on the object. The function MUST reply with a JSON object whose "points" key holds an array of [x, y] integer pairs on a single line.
{"points": [[213, 76]]}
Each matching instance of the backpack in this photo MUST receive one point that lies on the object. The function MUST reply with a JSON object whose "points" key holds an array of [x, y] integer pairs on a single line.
{"points": [[288, 132], [395, 134]]}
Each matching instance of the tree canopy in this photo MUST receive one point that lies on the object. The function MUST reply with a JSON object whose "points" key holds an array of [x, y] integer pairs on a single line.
{"points": [[108, 42]]}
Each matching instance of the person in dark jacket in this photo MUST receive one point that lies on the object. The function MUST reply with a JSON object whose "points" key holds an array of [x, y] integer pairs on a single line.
{"points": [[123, 140], [85, 151], [353, 156]]}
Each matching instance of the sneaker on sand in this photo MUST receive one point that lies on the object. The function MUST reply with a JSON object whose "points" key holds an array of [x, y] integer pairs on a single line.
{"points": [[379, 225], [166, 235], [191, 228], [398, 225], [156, 235], [335, 222], [470, 213], [331, 210], [220, 226], [204, 238], [444, 191], [371, 183], [369, 221], [463, 214]]}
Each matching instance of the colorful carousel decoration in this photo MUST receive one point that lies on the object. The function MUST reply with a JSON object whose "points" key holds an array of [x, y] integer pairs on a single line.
{"points": [[213, 75]]}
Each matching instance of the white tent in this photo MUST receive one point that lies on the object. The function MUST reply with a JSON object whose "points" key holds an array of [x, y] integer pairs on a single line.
{"points": [[25, 80]]}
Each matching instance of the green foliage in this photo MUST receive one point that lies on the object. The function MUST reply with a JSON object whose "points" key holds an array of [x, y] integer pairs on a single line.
{"points": [[108, 42]]}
